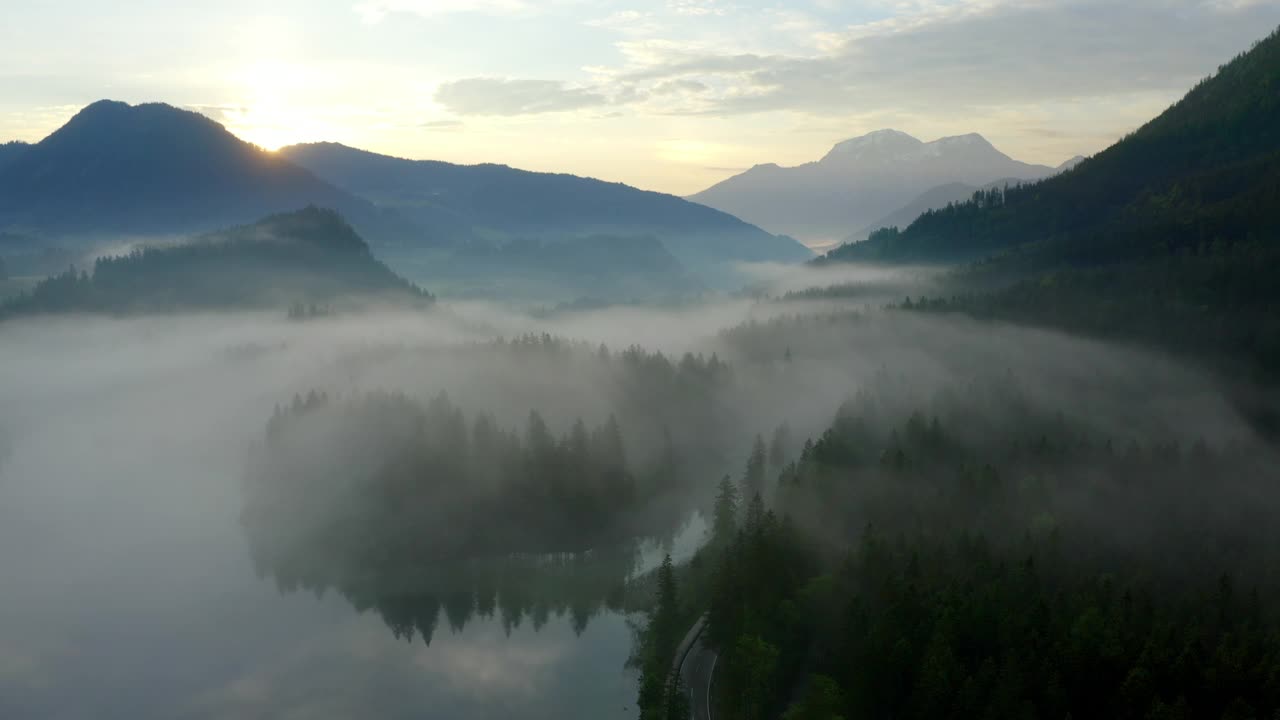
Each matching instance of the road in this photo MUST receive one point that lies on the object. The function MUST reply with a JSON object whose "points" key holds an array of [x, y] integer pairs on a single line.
{"points": [[696, 672]]}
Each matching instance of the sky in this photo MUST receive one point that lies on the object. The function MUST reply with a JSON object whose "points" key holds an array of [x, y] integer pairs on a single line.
{"points": [[668, 95]]}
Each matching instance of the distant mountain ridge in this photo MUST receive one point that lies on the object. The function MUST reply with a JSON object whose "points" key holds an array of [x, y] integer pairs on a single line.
{"points": [[497, 203], [940, 197], [308, 256], [10, 151], [119, 169], [931, 199], [1170, 237], [1204, 169], [127, 172], [630, 268], [859, 181]]}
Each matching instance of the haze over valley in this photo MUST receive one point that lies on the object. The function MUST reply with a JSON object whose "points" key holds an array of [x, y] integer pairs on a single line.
{"points": [[862, 180], [439, 389]]}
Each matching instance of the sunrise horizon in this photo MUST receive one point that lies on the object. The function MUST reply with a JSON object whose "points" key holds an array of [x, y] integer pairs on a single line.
{"points": [[668, 96]]}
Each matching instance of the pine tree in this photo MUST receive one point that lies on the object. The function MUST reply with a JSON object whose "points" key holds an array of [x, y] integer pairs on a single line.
{"points": [[677, 701], [780, 447], [753, 477], [666, 615], [725, 521]]}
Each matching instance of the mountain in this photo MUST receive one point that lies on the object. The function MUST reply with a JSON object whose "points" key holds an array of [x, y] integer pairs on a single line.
{"points": [[859, 181], [120, 172], [499, 204], [1206, 170], [308, 256], [1170, 236], [10, 151], [936, 199], [116, 170], [931, 199], [569, 270], [1070, 164]]}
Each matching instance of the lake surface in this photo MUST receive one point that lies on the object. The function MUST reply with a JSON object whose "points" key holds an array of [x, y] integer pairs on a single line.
{"points": [[140, 614], [127, 586]]}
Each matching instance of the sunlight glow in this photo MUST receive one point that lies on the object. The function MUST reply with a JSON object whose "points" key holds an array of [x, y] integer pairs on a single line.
{"points": [[269, 118]]}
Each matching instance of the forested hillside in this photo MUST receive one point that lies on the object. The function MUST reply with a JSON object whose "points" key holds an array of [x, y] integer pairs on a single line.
{"points": [[1171, 236], [152, 169], [10, 151], [493, 204], [984, 559], [1200, 174], [307, 256], [859, 181]]}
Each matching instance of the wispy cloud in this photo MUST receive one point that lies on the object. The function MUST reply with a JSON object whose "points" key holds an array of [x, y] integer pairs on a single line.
{"points": [[697, 7], [374, 11], [500, 96], [971, 53]]}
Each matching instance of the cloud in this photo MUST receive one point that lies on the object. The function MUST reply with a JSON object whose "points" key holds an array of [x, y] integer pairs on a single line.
{"points": [[374, 11], [442, 124], [678, 86], [499, 96], [626, 21], [696, 7], [227, 113], [967, 54]]}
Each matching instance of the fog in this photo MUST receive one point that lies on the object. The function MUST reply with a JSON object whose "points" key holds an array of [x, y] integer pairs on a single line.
{"points": [[889, 283], [123, 443]]}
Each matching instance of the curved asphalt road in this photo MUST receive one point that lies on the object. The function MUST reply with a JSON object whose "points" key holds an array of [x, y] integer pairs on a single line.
{"points": [[696, 673]]}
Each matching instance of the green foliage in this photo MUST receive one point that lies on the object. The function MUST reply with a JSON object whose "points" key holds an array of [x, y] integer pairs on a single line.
{"points": [[751, 665], [937, 629], [677, 701], [753, 476], [752, 614], [822, 700], [1218, 301], [960, 567], [839, 291], [780, 447], [724, 525], [310, 256], [1170, 236], [1201, 170], [666, 614], [662, 696], [399, 470], [408, 508]]}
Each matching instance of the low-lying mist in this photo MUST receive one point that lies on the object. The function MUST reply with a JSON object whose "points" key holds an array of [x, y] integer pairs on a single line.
{"points": [[124, 442]]}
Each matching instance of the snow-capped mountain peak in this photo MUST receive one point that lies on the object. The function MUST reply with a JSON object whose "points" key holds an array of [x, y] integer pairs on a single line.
{"points": [[880, 142]]}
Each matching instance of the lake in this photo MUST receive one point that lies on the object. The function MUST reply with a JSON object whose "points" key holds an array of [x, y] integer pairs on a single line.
{"points": [[127, 586]]}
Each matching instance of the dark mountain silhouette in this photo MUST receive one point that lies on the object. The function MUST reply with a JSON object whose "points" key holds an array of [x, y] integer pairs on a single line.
{"points": [[1206, 170], [931, 199], [117, 169], [502, 204], [11, 151], [1170, 236], [935, 199], [308, 256], [1068, 165], [859, 181], [571, 270]]}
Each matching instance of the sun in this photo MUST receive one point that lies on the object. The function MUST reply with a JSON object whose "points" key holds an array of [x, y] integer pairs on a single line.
{"points": [[269, 116], [270, 137]]}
